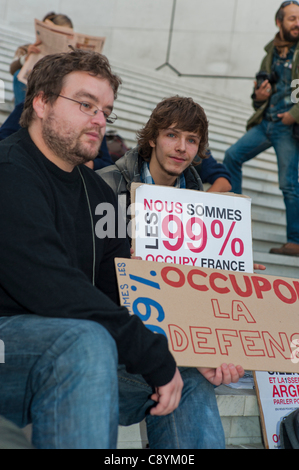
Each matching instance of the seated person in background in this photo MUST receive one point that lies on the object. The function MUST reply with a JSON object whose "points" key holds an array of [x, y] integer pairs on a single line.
{"points": [[23, 52]]}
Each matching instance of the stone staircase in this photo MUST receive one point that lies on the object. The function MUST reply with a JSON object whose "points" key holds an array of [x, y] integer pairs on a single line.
{"points": [[139, 94]]}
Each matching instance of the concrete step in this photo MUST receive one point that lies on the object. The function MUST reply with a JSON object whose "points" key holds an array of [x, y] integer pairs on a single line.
{"points": [[141, 91]]}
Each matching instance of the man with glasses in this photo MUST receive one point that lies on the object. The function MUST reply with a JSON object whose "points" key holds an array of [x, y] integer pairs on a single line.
{"points": [[60, 320], [273, 121]]}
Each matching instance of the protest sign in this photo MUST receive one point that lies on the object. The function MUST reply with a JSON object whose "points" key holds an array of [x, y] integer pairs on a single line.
{"points": [[211, 317], [278, 396], [57, 39], [192, 228]]}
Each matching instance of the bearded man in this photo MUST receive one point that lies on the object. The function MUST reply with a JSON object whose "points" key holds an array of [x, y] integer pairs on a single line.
{"points": [[273, 121]]}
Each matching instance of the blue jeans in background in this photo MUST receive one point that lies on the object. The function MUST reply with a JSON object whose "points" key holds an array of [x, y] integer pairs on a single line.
{"points": [[195, 424], [61, 376], [19, 89], [257, 140]]}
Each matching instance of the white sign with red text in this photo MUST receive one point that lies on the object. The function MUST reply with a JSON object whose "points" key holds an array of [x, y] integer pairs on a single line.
{"points": [[192, 228]]}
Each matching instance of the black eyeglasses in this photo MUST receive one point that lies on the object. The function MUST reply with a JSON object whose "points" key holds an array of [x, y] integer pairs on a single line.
{"points": [[91, 109], [285, 4]]}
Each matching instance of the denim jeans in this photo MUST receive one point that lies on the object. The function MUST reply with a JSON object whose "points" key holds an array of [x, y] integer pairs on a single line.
{"points": [[257, 140], [61, 376], [195, 424]]}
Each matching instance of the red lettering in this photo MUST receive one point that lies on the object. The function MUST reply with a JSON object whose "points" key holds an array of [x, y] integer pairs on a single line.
{"points": [[283, 348], [237, 288], [260, 285], [178, 337], [224, 343], [275, 392], [198, 339], [166, 208], [219, 290], [248, 339], [283, 390], [197, 272], [203, 236], [276, 286], [177, 284], [292, 391], [156, 206], [240, 310]]}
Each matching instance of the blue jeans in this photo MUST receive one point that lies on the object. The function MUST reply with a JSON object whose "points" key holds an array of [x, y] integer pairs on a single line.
{"points": [[257, 140], [195, 424], [19, 89], [61, 376]]}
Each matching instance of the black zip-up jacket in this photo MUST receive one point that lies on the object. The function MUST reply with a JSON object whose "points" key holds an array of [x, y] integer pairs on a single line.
{"points": [[46, 254]]}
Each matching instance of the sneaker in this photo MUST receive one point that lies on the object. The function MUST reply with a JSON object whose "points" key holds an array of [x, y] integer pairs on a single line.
{"points": [[289, 249]]}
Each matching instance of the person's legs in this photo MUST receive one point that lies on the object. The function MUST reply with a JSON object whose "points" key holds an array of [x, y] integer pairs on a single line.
{"points": [[249, 146], [195, 424], [287, 151], [61, 375]]}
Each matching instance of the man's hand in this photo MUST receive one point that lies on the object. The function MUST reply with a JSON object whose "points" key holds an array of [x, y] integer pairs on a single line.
{"points": [[287, 119], [33, 49], [264, 91], [168, 397], [225, 374], [259, 267]]}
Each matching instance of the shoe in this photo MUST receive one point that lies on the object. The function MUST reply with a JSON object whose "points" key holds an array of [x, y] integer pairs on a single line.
{"points": [[289, 249]]}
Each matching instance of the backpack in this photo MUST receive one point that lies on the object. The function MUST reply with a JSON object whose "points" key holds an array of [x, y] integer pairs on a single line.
{"points": [[289, 431], [116, 145]]}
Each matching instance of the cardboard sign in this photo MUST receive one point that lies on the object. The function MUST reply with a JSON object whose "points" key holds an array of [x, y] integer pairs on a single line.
{"points": [[211, 317], [278, 396], [192, 227]]}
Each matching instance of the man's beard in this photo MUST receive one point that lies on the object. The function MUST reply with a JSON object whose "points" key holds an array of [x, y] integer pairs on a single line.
{"points": [[67, 146], [288, 35]]}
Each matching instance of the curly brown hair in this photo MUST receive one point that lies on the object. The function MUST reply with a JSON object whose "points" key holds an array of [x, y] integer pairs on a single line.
{"points": [[49, 73], [185, 114]]}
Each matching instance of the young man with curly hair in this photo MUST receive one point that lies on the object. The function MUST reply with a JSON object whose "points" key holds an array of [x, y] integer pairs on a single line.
{"points": [[171, 143]]}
